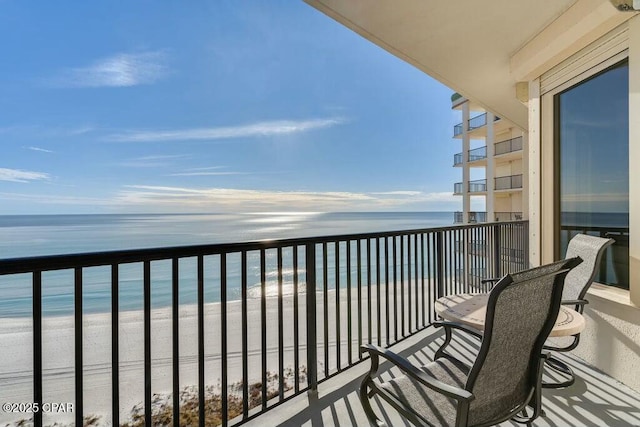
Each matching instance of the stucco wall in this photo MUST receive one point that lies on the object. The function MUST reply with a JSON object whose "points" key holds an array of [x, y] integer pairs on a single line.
{"points": [[611, 340]]}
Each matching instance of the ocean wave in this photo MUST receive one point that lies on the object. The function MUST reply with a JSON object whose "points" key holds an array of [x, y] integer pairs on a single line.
{"points": [[271, 289]]}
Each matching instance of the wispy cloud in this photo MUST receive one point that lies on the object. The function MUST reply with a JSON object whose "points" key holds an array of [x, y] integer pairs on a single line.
{"points": [[17, 175], [56, 199], [208, 168], [398, 193], [172, 198], [268, 128], [42, 150], [207, 171], [42, 132], [204, 173], [161, 160], [120, 70]]}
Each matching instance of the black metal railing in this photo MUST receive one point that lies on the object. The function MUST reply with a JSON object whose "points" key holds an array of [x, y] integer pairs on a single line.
{"points": [[474, 217], [508, 182], [473, 123], [508, 216], [477, 121], [508, 146], [477, 154], [473, 155], [315, 301], [478, 186]]}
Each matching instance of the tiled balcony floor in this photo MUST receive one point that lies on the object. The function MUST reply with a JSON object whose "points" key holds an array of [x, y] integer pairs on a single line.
{"points": [[594, 400]]}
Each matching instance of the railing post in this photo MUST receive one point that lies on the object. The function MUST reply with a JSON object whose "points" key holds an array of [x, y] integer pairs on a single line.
{"points": [[439, 264], [496, 250], [312, 350]]}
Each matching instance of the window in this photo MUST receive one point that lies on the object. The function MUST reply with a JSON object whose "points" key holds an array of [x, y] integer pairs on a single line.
{"points": [[591, 139]]}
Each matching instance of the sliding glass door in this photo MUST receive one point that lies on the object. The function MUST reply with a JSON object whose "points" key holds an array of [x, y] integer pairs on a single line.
{"points": [[591, 143]]}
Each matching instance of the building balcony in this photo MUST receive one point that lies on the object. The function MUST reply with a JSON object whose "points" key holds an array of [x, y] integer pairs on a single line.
{"points": [[457, 159], [505, 150], [457, 130], [474, 157], [509, 146], [511, 182], [473, 247], [477, 186], [508, 216], [474, 217], [476, 126], [256, 348]]}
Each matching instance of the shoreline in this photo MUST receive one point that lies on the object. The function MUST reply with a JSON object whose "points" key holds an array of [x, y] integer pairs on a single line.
{"points": [[58, 354]]}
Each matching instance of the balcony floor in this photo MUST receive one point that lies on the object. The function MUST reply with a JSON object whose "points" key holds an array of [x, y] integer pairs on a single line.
{"points": [[594, 400]]}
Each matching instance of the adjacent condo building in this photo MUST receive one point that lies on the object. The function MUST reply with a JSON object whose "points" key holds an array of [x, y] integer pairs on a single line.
{"points": [[493, 164]]}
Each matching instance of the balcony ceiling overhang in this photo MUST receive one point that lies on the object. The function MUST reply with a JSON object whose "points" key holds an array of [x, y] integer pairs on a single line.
{"points": [[470, 45]]}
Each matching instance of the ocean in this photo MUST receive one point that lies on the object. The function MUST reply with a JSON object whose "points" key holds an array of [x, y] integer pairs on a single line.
{"points": [[38, 235]]}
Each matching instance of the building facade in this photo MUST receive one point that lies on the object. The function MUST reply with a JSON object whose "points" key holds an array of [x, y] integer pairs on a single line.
{"points": [[493, 165]]}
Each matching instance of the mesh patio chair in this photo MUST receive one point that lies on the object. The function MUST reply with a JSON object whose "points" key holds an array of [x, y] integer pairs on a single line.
{"points": [[590, 249], [506, 375], [576, 284]]}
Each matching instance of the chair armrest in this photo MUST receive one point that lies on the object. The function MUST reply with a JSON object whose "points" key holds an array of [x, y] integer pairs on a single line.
{"points": [[581, 302], [578, 304], [459, 326], [491, 280], [414, 372]]}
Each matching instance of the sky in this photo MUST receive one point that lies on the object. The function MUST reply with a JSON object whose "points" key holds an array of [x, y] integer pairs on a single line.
{"points": [[213, 106]]}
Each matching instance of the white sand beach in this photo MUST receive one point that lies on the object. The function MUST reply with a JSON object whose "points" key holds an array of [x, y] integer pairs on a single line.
{"points": [[16, 360]]}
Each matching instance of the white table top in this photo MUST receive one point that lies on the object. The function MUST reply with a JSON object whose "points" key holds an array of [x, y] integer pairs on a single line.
{"points": [[470, 309]]}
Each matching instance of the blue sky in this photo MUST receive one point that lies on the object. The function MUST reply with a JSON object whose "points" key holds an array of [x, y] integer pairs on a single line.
{"points": [[225, 106]]}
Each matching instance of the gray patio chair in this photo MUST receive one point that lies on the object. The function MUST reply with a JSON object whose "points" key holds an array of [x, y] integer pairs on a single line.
{"points": [[590, 249], [576, 284], [505, 376]]}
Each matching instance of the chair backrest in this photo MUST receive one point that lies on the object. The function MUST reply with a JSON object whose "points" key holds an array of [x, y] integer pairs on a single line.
{"points": [[520, 315], [543, 269], [590, 249]]}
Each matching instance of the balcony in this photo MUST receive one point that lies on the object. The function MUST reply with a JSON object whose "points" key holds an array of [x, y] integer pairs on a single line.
{"points": [[458, 188], [477, 154], [473, 247], [457, 159], [602, 400], [512, 182], [477, 122], [477, 186], [474, 217], [474, 155], [508, 146], [267, 354], [508, 216], [261, 336]]}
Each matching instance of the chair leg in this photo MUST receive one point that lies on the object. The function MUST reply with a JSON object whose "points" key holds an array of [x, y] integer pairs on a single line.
{"points": [[447, 339], [366, 405], [561, 367], [525, 415]]}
